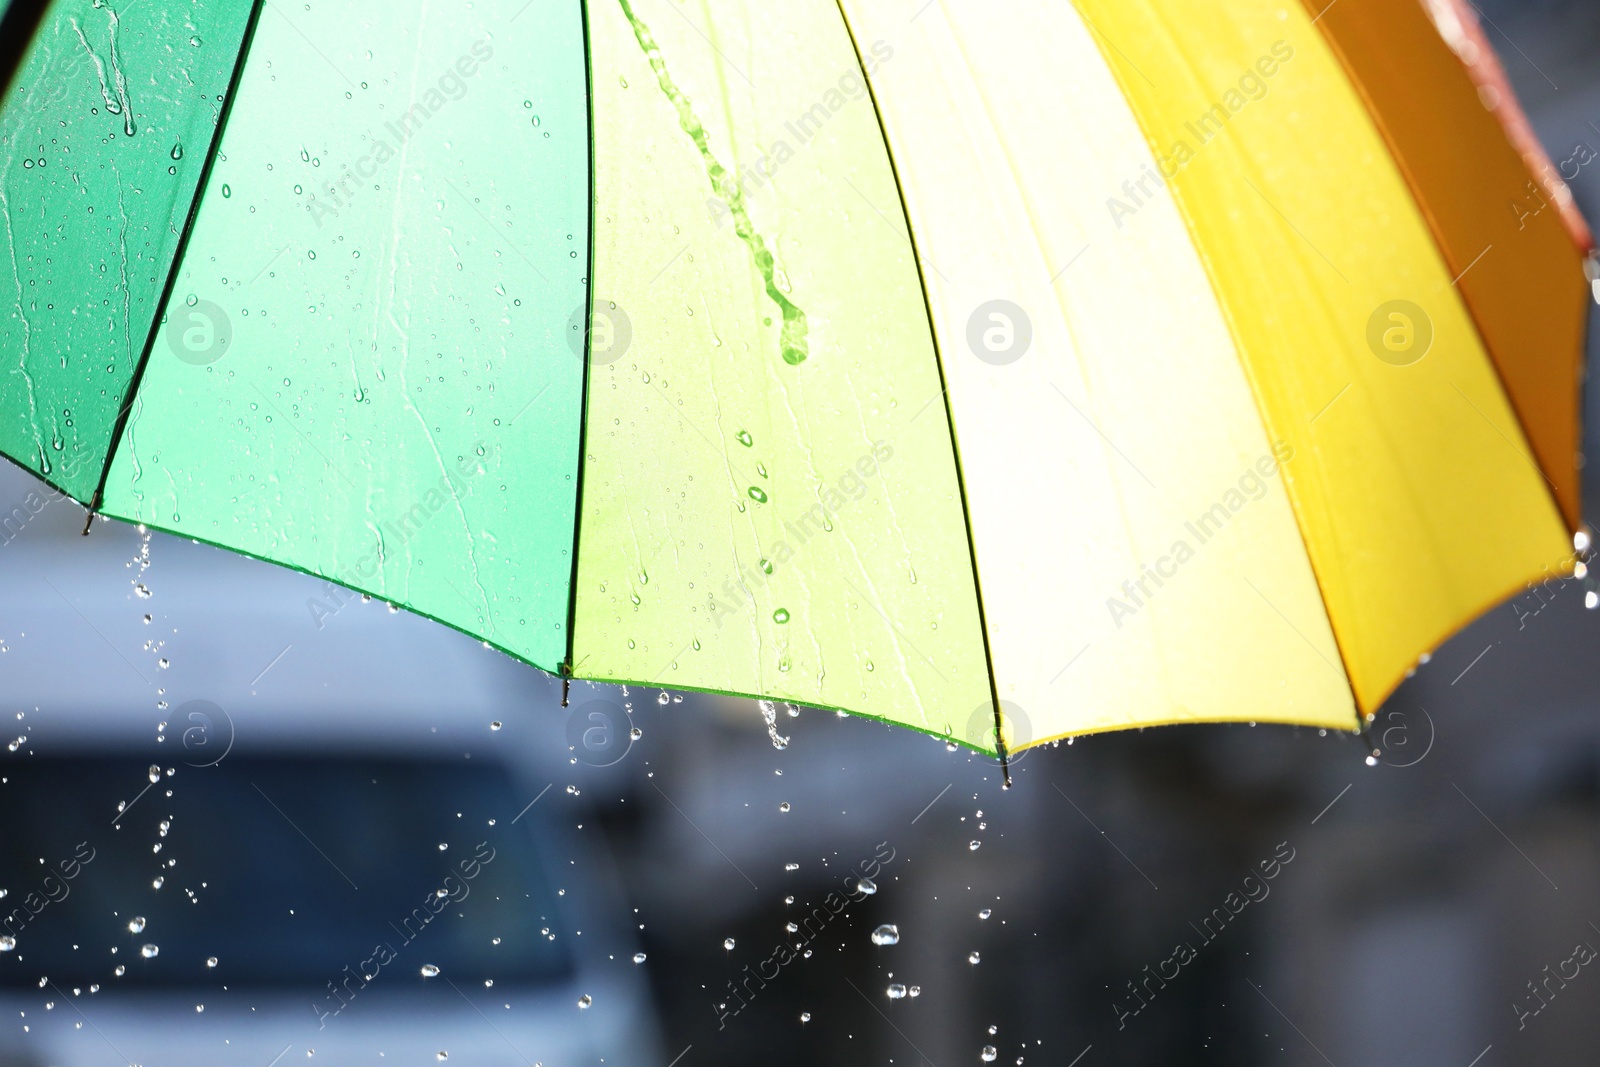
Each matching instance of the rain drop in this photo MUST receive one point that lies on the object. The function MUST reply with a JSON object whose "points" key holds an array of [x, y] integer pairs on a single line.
{"points": [[973, 846], [887, 934], [780, 616], [896, 991], [150, 952], [638, 957], [136, 925], [430, 970], [727, 943], [745, 438], [585, 1000], [985, 913], [8, 943], [784, 806], [805, 1016], [867, 887], [211, 961], [497, 724], [758, 494], [989, 1054], [972, 958]]}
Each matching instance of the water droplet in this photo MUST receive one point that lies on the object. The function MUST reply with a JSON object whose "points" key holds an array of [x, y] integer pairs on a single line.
{"points": [[916, 991], [972, 958], [430, 970], [8, 943], [784, 806], [177, 150], [727, 943], [973, 846], [635, 733], [805, 1016], [988, 1054], [780, 616], [896, 991], [663, 698], [211, 961], [226, 192], [150, 952], [638, 957], [585, 1000], [887, 934], [867, 887], [120, 971], [791, 866], [497, 724], [745, 438], [136, 925], [758, 494], [985, 913]]}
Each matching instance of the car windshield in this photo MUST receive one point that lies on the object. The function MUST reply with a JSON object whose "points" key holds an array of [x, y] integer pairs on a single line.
{"points": [[270, 871]]}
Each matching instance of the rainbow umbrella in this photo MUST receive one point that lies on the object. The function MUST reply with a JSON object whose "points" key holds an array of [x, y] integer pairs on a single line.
{"points": [[1005, 375]]}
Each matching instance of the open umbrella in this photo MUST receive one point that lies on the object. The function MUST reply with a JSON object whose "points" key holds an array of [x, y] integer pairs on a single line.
{"points": [[1073, 367]]}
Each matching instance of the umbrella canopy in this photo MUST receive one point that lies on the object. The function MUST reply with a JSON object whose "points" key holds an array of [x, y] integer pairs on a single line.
{"points": [[1116, 363]]}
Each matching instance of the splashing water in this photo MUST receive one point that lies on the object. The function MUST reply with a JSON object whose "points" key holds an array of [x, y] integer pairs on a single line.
{"points": [[769, 712], [792, 342]]}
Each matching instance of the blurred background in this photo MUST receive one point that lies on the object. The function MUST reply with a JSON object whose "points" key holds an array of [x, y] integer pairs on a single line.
{"points": [[274, 778]]}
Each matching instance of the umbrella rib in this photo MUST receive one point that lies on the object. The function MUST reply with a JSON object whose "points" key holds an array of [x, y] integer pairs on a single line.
{"points": [[21, 22], [944, 385], [567, 667]]}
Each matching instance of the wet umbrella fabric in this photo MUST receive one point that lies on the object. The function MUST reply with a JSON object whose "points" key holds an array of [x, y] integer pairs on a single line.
{"points": [[1126, 363]]}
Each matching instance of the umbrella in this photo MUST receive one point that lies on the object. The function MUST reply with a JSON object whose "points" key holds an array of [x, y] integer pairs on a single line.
{"points": [[1008, 375]]}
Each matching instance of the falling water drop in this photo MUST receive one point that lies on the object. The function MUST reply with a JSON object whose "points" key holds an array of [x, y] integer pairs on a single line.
{"points": [[887, 934]]}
